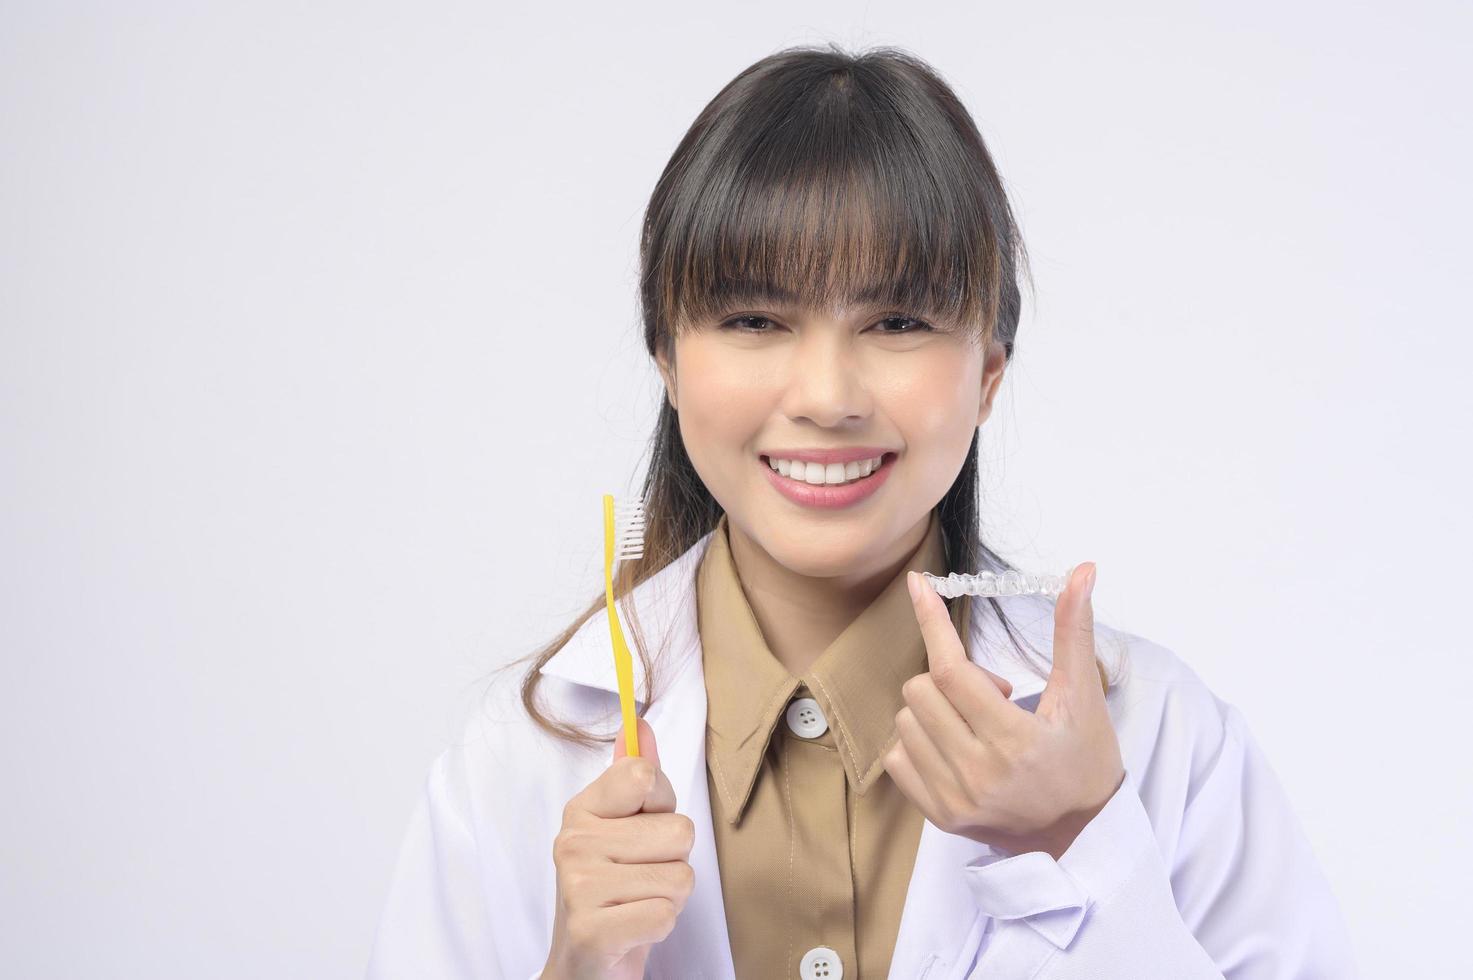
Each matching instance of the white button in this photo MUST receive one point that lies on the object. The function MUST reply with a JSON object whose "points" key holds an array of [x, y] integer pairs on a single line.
{"points": [[806, 718], [821, 963]]}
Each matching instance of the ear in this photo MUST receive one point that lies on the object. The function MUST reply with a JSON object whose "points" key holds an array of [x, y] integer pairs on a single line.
{"points": [[667, 375], [992, 372]]}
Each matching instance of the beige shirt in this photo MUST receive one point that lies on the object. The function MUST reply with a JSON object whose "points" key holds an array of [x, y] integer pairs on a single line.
{"points": [[814, 841]]}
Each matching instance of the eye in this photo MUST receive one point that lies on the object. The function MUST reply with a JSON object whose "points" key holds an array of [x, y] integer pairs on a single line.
{"points": [[740, 323], [921, 325], [734, 323]]}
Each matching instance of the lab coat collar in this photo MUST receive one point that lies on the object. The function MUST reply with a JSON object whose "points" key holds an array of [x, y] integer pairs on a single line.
{"points": [[941, 924]]}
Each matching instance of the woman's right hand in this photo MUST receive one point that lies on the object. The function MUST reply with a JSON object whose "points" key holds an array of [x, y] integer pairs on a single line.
{"points": [[623, 874]]}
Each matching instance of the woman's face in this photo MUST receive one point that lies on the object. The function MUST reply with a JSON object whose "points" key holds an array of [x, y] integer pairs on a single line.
{"points": [[774, 379]]}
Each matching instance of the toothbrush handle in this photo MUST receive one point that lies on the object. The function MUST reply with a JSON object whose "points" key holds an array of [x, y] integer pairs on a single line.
{"points": [[623, 662]]}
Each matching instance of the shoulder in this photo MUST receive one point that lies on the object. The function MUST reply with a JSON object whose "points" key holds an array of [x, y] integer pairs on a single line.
{"points": [[1161, 699], [513, 770], [1238, 858], [494, 796], [475, 880], [1176, 734]]}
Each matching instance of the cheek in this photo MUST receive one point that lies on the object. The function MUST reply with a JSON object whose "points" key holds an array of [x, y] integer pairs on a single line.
{"points": [[713, 374], [716, 389], [935, 401], [723, 404]]}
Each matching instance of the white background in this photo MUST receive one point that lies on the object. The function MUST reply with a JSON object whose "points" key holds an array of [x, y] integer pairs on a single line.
{"points": [[320, 344]]}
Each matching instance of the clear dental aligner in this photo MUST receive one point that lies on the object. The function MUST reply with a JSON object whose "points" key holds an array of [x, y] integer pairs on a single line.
{"points": [[993, 583]]}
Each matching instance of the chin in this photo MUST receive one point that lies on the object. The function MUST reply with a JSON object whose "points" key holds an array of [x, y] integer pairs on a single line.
{"points": [[819, 566], [806, 547]]}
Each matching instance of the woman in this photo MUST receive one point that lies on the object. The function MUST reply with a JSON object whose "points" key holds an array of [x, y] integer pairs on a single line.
{"points": [[840, 775]]}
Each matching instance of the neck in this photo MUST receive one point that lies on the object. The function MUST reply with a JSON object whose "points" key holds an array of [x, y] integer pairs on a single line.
{"points": [[800, 616]]}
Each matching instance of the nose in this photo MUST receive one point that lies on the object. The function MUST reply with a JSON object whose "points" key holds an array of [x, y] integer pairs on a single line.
{"points": [[824, 379]]}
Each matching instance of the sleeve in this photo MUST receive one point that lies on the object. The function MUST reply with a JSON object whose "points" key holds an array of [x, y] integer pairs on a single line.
{"points": [[1243, 898], [436, 923]]}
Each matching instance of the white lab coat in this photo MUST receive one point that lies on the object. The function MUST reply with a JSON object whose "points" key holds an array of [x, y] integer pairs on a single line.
{"points": [[1195, 868]]}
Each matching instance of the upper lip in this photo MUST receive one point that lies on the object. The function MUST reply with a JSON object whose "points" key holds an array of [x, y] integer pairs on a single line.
{"points": [[845, 455]]}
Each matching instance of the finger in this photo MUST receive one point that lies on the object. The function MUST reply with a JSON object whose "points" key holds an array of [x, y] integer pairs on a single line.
{"points": [[1002, 683], [634, 924], [620, 790], [630, 786], [970, 688], [930, 762], [661, 795], [649, 838], [1073, 677], [909, 782], [955, 741], [616, 885], [645, 735]]}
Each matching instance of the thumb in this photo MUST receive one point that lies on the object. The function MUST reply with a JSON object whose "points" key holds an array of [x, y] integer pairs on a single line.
{"points": [[660, 796], [647, 747], [1074, 678]]}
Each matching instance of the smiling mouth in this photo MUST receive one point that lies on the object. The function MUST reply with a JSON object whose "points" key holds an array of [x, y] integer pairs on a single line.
{"points": [[884, 458]]}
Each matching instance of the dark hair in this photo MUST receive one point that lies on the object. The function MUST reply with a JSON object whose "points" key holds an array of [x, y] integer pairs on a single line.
{"points": [[817, 177]]}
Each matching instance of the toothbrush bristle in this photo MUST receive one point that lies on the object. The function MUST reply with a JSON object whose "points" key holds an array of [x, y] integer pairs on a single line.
{"points": [[628, 529]]}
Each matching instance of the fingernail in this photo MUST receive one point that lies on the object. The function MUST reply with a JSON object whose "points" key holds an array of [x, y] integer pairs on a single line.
{"points": [[1089, 583], [912, 583]]}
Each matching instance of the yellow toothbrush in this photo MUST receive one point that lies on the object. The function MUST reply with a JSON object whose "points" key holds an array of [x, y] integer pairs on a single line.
{"points": [[623, 538]]}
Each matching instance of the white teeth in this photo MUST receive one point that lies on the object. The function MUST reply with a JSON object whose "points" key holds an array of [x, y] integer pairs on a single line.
{"points": [[824, 473]]}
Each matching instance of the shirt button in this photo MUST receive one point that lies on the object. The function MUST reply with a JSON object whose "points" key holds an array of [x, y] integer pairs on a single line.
{"points": [[821, 963], [806, 719]]}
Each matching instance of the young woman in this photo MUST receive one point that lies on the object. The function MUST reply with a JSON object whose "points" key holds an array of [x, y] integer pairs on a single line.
{"points": [[841, 775]]}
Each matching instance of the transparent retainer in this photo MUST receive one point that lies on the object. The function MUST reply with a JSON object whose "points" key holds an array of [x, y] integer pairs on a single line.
{"points": [[998, 583]]}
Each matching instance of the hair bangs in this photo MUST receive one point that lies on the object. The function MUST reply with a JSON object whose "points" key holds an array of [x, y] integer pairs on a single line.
{"points": [[840, 208]]}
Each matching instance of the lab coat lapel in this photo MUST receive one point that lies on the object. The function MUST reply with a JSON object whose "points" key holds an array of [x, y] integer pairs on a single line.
{"points": [[941, 926], [699, 946]]}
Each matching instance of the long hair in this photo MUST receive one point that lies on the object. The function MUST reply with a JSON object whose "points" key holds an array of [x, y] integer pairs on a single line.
{"points": [[818, 177]]}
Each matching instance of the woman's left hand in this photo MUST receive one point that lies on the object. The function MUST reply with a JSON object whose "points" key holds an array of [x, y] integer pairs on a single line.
{"points": [[980, 766]]}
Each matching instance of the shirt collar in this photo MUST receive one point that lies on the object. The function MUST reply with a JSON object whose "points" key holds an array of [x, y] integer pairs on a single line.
{"points": [[667, 613], [856, 680]]}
